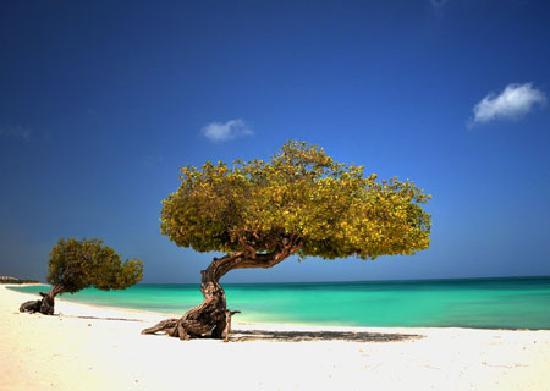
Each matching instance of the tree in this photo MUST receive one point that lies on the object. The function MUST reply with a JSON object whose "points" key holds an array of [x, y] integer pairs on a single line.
{"points": [[77, 264], [300, 202]]}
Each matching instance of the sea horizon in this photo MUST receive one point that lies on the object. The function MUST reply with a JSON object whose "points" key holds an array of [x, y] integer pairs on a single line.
{"points": [[349, 281]]}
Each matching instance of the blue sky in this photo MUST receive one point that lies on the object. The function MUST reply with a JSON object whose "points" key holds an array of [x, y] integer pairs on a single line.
{"points": [[101, 102]]}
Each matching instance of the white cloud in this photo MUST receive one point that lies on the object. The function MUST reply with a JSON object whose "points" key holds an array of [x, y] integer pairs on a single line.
{"points": [[223, 131], [515, 101], [16, 132]]}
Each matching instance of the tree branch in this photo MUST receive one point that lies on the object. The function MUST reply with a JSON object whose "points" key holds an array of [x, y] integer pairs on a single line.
{"points": [[242, 260]]}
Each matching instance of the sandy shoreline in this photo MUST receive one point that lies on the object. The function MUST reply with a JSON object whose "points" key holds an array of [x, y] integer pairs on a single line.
{"points": [[89, 347]]}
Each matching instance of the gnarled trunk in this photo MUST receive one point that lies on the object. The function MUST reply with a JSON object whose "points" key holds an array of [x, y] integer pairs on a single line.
{"points": [[45, 306], [212, 318]]}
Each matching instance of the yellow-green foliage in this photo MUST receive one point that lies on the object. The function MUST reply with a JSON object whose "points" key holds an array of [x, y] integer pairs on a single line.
{"points": [[332, 209], [77, 264]]}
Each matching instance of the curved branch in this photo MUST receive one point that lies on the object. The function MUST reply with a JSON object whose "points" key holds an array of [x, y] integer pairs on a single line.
{"points": [[241, 260]]}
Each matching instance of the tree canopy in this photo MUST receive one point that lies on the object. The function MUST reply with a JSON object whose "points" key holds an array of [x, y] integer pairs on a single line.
{"points": [[77, 264], [331, 209], [261, 212]]}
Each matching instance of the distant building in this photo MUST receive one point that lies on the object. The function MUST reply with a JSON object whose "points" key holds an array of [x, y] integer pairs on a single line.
{"points": [[8, 279], [14, 280]]}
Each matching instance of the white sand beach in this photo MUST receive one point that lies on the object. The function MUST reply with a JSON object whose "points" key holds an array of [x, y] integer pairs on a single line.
{"points": [[97, 348]]}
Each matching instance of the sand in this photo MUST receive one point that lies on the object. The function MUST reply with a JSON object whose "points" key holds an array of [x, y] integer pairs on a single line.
{"points": [[99, 348]]}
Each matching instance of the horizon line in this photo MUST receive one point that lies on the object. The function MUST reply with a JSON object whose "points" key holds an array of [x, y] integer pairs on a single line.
{"points": [[544, 276]]}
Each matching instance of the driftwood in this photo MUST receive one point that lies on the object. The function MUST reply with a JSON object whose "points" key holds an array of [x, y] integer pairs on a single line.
{"points": [[227, 330]]}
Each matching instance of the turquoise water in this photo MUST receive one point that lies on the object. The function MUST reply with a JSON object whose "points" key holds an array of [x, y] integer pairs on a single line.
{"points": [[491, 303]]}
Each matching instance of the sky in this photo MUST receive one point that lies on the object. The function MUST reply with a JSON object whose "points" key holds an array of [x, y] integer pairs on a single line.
{"points": [[101, 102]]}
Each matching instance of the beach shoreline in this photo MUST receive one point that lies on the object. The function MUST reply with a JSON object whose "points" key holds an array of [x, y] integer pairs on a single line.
{"points": [[97, 347]]}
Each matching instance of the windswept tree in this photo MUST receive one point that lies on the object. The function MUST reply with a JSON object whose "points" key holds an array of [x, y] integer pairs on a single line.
{"points": [[300, 202], [77, 264]]}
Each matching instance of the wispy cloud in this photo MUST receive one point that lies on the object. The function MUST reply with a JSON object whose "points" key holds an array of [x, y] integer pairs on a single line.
{"points": [[223, 131], [438, 3], [16, 132], [514, 101]]}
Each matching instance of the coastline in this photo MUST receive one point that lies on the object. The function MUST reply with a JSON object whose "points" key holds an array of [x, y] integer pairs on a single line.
{"points": [[98, 347], [496, 303]]}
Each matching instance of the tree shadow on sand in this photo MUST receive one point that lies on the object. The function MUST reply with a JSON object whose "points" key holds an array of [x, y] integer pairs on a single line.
{"points": [[291, 336], [298, 336]]}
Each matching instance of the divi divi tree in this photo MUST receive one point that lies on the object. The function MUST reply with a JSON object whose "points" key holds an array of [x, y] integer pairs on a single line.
{"points": [[77, 264], [258, 213]]}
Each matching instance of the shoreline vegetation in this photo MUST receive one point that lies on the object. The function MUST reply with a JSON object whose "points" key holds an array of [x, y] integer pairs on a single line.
{"points": [[76, 264], [99, 342]]}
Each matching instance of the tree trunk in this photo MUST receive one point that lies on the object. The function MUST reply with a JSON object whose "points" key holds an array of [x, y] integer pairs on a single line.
{"points": [[204, 320], [45, 306], [210, 318]]}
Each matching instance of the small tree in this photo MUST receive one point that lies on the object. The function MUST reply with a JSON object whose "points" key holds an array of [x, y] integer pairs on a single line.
{"points": [[77, 264], [301, 202]]}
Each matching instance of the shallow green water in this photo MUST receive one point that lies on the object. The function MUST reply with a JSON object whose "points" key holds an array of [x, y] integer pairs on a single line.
{"points": [[498, 303]]}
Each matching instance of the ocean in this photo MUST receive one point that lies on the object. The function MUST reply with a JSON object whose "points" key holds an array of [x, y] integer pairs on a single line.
{"points": [[522, 303]]}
